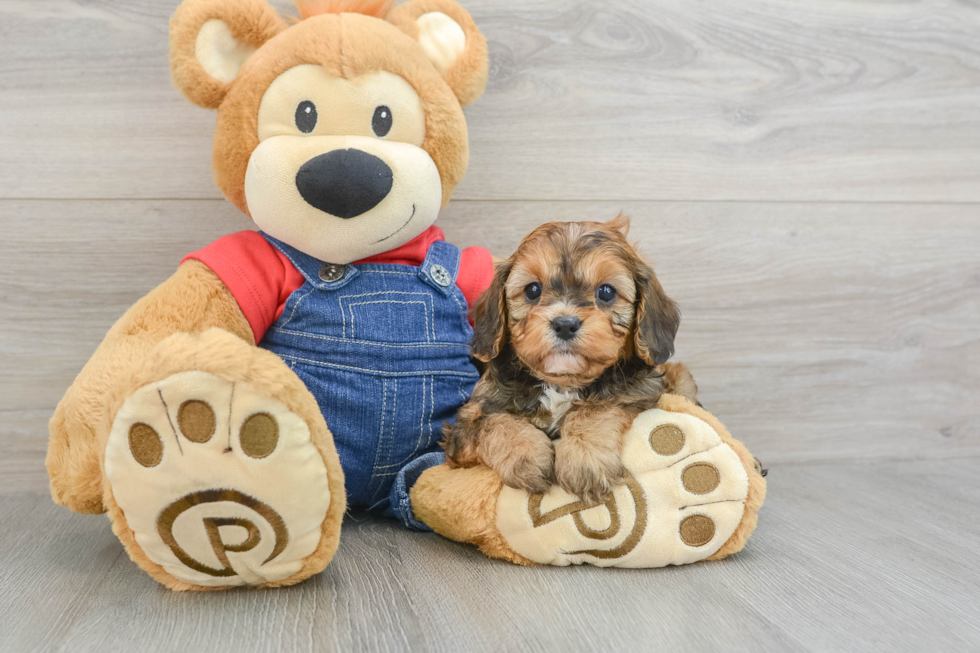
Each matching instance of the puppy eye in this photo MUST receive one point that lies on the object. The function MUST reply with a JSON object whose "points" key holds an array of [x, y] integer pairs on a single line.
{"points": [[532, 291], [605, 293], [381, 122], [306, 116]]}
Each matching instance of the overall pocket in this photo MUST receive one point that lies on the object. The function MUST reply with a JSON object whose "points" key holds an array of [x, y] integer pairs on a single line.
{"points": [[389, 316]]}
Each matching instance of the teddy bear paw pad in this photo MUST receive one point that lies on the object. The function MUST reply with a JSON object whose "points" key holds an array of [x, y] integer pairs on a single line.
{"points": [[684, 496], [220, 484]]}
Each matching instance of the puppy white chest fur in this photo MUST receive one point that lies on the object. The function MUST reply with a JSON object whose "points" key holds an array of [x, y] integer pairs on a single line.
{"points": [[556, 401]]}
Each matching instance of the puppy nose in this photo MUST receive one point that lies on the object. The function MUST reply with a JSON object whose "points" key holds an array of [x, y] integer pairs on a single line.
{"points": [[566, 326], [344, 183]]}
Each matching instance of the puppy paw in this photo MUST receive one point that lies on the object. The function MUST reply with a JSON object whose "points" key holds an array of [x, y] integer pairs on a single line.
{"points": [[532, 470], [686, 496], [587, 471]]}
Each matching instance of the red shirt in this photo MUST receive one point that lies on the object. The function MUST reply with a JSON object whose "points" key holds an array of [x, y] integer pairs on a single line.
{"points": [[261, 278]]}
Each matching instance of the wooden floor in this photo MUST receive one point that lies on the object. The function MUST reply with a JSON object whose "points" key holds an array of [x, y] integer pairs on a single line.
{"points": [[805, 176], [851, 557]]}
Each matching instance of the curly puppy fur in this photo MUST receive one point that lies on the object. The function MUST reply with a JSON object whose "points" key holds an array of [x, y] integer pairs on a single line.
{"points": [[576, 331]]}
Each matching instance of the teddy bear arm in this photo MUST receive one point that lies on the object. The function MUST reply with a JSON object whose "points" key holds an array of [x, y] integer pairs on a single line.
{"points": [[192, 300]]}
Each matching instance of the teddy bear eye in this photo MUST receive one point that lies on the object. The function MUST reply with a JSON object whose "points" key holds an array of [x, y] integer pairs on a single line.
{"points": [[381, 122], [532, 291], [605, 293], [306, 116]]}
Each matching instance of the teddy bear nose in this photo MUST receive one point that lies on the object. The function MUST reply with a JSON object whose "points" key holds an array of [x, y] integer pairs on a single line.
{"points": [[344, 183], [566, 326]]}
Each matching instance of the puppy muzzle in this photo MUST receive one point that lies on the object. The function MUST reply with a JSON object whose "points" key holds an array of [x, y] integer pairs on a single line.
{"points": [[566, 327]]}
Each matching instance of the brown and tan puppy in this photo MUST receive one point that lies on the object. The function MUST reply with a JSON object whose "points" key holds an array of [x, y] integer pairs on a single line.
{"points": [[576, 331]]}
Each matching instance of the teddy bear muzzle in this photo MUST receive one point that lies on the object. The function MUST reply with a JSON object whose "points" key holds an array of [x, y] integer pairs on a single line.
{"points": [[345, 183]]}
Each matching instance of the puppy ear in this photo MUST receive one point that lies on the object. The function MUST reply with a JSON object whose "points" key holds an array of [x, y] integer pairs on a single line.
{"points": [[657, 317], [451, 41], [490, 317], [211, 39], [620, 223]]}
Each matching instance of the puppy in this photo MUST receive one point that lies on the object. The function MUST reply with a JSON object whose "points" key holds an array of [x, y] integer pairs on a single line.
{"points": [[575, 330]]}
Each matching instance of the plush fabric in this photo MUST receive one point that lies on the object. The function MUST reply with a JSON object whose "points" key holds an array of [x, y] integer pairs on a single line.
{"points": [[321, 40], [756, 492], [232, 359], [376, 8], [461, 504], [692, 493], [253, 22], [258, 276], [191, 341], [192, 300], [467, 76]]}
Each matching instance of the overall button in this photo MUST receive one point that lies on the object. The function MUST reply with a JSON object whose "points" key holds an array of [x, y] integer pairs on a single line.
{"points": [[440, 275], [332, 271]]}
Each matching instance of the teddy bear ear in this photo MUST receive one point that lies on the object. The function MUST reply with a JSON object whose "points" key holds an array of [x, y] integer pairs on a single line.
{"points": [[211, 39], [451, 41]]}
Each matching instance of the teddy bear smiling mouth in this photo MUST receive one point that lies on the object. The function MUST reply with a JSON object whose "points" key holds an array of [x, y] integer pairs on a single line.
{"points": [[399, 228]]}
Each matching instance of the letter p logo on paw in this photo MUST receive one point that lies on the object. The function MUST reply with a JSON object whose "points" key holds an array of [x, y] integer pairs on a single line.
{"points": [[219, 483], [215, 539], [684, 496]]}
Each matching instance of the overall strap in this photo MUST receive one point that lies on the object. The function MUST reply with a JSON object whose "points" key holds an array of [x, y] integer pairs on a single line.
{"points": [[441, 266], [324, 276]]}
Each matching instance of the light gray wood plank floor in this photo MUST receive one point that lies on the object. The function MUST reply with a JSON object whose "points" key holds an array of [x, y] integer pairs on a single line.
{"points": [[805, 177], [849, 557]]}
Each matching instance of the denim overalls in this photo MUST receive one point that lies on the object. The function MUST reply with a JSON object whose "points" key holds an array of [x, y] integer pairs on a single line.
{"points": [[384, 348]]}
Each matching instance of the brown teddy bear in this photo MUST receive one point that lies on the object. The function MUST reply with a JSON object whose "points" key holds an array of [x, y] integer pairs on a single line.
{"points": [[201, 422]]}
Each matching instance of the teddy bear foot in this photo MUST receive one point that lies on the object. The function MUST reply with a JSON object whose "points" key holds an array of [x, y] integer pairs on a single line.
{"points": [[221, 475], [691, 493]]}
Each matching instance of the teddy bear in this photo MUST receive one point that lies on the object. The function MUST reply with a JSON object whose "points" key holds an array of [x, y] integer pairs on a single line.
{"points": [[230, 417]]}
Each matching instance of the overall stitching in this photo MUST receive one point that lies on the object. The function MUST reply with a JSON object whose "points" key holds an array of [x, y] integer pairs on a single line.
{"points": [[367, 370], [676, 462], [384, 446], [296, 305], [462, 394], [343, 303], [425, 306], [340, 341], [422, 427], [406, 345], [408, 274]]}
